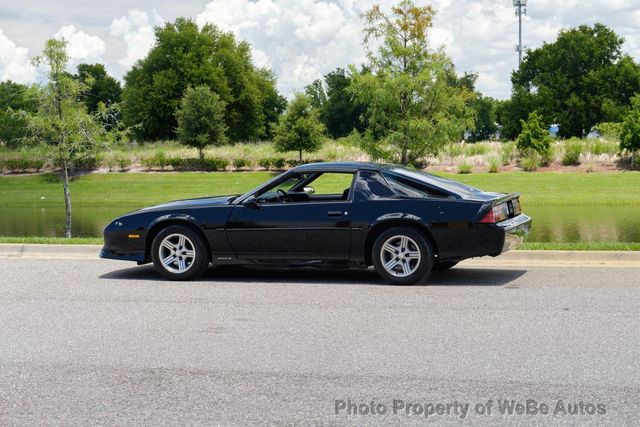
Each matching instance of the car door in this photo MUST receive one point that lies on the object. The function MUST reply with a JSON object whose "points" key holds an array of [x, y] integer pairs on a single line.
{"points": [[318, 228]]}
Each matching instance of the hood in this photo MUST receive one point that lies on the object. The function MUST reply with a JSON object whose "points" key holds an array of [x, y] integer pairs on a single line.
{"points": [[191, 203]]}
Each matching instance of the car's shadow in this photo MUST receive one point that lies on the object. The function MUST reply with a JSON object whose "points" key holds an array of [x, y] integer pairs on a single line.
{"points": [[319, 275]]}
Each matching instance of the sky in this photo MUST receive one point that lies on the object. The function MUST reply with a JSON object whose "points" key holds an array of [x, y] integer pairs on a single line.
{"points": [[300, 40]]}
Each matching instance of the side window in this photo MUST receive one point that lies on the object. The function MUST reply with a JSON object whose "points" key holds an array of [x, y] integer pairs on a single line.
{"points": [[331, 183], [371, 185], [408, 188]]}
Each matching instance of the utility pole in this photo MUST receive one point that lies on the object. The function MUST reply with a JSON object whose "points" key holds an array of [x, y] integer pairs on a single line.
{"points": [[521, 8]]}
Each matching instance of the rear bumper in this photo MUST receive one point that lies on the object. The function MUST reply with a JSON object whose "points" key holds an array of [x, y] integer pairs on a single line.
{"points": [[515, 230]]}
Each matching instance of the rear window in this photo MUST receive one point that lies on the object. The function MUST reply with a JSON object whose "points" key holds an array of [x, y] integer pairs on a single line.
{"points": [[371, 185], [432, 182]]}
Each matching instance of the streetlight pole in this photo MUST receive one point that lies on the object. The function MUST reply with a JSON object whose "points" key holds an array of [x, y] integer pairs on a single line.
{"points": [[521, 8]]}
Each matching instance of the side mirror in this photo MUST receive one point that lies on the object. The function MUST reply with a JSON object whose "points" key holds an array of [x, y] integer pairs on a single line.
{"points": [[251, 203], [309, 190]]}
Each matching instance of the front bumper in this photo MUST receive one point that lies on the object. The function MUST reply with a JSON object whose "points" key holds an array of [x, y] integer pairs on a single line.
{"points": [[108, 254], [515, 230]]}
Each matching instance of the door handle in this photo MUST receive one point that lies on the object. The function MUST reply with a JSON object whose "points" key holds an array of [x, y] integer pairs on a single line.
{"points": [[335, 213]]}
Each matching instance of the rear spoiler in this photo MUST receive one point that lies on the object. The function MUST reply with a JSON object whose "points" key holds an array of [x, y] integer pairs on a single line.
{"points": [[504, 198]]}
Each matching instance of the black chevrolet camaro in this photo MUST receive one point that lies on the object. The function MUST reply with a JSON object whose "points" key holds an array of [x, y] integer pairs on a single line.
{"points": [[405, 223]]}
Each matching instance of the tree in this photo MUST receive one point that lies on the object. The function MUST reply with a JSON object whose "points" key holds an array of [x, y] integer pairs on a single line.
{"points": [[62, 122], [184, 56], [534, 135], [412, 110], [485, 123], [15, 98], [630, 134], [299, 128], [577, 81], [338, 109], [201, 119], [102, 87]]}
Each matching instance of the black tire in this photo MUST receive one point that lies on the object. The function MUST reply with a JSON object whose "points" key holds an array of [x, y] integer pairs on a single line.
{"points": [[193, 265], [406, 270], [443, 266]]}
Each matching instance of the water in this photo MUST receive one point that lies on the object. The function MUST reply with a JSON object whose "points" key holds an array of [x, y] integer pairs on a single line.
{"points": [[582, 223]]}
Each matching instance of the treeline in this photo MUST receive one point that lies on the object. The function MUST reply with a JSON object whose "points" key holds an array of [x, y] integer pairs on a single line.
{"points": [[582, 82]]}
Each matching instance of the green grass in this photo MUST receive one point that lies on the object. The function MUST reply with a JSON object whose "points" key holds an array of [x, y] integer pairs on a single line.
{"points": [[532, 246], [52, 240], [582, 246], [133, 190]]}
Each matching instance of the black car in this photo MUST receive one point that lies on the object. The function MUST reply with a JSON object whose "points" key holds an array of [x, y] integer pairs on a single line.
{"points": [[404, 222]]}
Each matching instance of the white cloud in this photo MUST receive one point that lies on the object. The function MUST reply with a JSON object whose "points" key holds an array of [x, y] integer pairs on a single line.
{"points": [[15, 62], [137, 30], [299, 40], [81, 47]]}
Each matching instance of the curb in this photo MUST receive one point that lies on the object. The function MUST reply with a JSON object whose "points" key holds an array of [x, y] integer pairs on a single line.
{"points": [[622, 259]]}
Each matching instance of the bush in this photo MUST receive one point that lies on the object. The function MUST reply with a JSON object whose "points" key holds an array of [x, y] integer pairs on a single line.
{"points": [[475, 149], [278, 163], [610, 131], [22, 164], [292, 163], [509, 152], [530, 162], [213, 164], [599, 146], [157, 161], [494, 164], [464, 168], [265, 163], [240, 163], [535, 136], [123, 162], [87, 163], [176, 163], [572, 150], [455, 149]]}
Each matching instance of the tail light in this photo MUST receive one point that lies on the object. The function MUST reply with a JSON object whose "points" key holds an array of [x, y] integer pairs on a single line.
{"points": [[497, 213]]}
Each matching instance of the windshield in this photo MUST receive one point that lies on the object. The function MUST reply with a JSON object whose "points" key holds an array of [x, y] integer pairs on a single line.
{"points": [[435, 181]]}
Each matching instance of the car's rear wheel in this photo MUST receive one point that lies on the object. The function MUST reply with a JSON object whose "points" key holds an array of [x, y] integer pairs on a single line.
{"points": [[179, 253], [446, 265], [402, 256]]}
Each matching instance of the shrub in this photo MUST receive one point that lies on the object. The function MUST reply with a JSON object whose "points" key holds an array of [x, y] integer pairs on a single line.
{"points": [[264, 163], [176, 163], [572, 151], [494, 164], [534, 136], [240, 163], [610, 131], [455, 149], [464, 168], [147, 162], [213, 164], [530, 162], [292, 163], [22, 164], [278, 163], [88, 163], [509, 152], [123, 162], [599, 146], [476, 149]]}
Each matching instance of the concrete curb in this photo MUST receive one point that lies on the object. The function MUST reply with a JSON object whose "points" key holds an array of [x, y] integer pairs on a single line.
{"points": [[621, 259]]}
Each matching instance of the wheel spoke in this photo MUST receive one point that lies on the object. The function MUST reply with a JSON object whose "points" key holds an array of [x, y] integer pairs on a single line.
{"points": [[168, 260], [167, 244], [181, 241], [412, 255], [391, 264], [406, 269], [404, 243], [189, 253], [181, 265], [390, 248]]}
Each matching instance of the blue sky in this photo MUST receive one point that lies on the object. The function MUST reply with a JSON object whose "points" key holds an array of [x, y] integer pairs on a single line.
{"points": [[299, 39]]}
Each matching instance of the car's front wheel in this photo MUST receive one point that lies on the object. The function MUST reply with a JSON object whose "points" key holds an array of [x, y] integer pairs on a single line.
{"points": [[179, 253], [402, 256]]}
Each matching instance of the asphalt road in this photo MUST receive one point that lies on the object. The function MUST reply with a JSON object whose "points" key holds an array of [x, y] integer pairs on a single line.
{"points": [[103, 342]]}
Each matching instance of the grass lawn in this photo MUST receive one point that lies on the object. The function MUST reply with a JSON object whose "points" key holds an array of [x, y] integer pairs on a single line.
{"points": [[142, 189]]}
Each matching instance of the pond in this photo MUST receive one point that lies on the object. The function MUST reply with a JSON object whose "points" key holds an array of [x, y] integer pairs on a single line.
{"points": [[581, 223]]}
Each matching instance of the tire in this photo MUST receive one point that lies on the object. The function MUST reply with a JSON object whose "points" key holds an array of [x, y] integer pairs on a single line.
{"points": [[446, 265], [412, 252], [179, 253]]}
